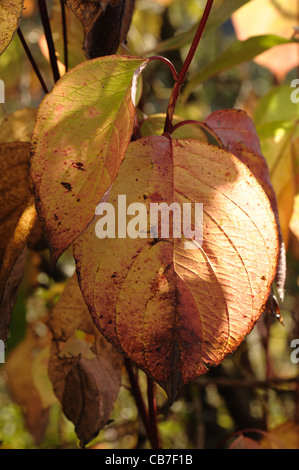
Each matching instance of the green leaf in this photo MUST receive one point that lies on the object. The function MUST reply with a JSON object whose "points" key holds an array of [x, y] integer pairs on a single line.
{"points": [[221, 11], [276, 106], [10, 14], [81, 135], [237, 53]]}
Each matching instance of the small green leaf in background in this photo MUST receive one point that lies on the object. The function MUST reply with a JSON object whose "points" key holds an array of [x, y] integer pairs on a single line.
{"points": [[221, 12], [237, 53]]}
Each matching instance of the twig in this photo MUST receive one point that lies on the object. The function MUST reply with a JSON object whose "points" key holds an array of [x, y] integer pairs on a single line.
{"points": [[32, 61], [247, 383], [182, 75], [64, 33], [49, 38], [136, 392], [152, 412]]}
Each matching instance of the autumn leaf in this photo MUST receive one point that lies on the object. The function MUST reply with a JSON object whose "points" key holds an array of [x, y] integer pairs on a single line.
{"points": [[82, 131], [85, 11], [18, 218], [105, 23], [10, 14], [238, 134], [84, 369], [173, 310], [109, 29]]}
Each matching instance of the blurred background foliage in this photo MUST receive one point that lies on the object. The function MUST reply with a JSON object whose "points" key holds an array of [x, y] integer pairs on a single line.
{"points": [[253, 393]]}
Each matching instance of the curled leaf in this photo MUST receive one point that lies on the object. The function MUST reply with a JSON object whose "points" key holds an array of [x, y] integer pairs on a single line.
{"points": [[84, 369], [109, 29], [105, 23], [173, 310]]}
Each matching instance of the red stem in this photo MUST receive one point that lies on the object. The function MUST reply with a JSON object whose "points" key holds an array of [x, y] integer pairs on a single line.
{"points": [[136, 392], [168, 63], [182, 75]]}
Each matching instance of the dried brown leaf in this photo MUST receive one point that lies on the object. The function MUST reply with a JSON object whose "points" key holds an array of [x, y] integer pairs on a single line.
{"points": [[84, 369]]}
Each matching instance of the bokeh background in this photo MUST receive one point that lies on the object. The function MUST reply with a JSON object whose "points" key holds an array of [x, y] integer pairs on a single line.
{"points": [[255, 392]]}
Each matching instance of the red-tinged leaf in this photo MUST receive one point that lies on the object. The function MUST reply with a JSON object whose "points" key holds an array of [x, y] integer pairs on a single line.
{"points": [[177, 311], [10, 14], [243, 442], [83, 128], [238, 134], [84, 369]]}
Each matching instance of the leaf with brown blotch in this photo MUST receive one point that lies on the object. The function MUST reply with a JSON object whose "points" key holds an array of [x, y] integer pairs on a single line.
{"points": [[85, 10], [109, 29], [238, 134], [84, 369], [10, 14], [18, 217], [105, 23], [177, 311], [81, 135]]}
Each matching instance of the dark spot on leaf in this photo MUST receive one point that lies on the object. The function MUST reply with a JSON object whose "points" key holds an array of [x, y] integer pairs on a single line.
{"points": [[78, 166], [67, 186]]}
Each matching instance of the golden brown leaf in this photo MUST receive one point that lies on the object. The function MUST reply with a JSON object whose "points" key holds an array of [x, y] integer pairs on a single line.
{"points": [[177, 311]]}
